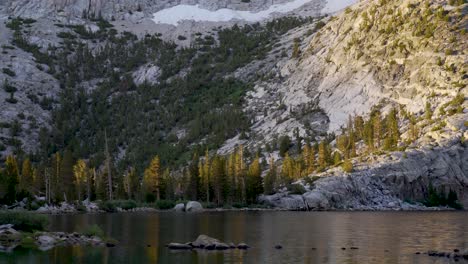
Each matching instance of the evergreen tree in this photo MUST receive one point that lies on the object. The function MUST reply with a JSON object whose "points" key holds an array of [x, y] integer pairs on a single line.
{"points": [[194, 181], [270, 180], [393, 134], [80, 171], [131, 183], [359, 127], [369, 135], [152, 179], [66, 175], [413, 129], [219, 179], [323, 155], [168, 185], [26, 181], [377, 128], [428, 111], [287, 169], [254, 182], [240, 173], [204, 173], [285, 143], [336, 158], [10, 180]]}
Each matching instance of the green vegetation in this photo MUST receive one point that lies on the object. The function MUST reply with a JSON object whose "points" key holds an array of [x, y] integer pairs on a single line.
{"points": [[435, 198], [8, 72], [27, 222], [93, 230]]}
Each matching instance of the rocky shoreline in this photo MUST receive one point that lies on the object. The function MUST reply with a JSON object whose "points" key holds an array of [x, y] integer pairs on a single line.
{"points": [[278, 202], [10, 239]]}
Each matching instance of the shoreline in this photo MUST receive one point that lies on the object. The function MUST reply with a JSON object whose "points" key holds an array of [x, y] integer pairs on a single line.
{"points": [[210, 210]]}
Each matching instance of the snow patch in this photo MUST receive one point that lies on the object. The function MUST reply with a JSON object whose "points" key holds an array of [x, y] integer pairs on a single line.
{"points": [[176, 14]]}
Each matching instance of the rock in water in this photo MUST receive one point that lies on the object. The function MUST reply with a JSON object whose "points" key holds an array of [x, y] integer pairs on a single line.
{"points": [[178, 246], [242, 246], [193, 206], [179, 207], [204, 241]]}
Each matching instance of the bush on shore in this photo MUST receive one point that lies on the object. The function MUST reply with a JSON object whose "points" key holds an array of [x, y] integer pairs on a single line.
{"points": [[24, 221]]}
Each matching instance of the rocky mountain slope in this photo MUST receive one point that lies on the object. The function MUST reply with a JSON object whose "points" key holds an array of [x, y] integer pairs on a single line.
{"points": [[249, 85], [387, 53]]}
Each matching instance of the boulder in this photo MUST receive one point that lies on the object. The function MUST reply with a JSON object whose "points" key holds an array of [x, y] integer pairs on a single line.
{"points": [[221, 246], [193, 206], [45, 240], [179, 207], [204, 241], [284, 200], [316, 201], [242, 246]]}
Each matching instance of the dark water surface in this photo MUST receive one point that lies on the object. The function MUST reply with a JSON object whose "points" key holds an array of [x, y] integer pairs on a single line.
{"points": [[382, 237]]}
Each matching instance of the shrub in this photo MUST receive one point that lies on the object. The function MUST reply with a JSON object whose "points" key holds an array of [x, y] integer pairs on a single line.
{"points": [[296, 189], [27, 222], [165, 204], [347, 166], [435, 198], [93, 230], [107, 206], [8, 72], [239, 205]]}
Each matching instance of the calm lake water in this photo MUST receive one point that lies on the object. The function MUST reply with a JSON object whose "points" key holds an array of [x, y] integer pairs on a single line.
{"points": [[382, 237]]}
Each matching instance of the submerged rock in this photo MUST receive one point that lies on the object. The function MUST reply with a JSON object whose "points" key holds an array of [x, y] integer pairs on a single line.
{"points": [[207, 243], [178, 246]]}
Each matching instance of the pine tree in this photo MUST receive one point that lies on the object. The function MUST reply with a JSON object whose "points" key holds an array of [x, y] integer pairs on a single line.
{"points": [[10, 175], [270, 180], [287, 169], [323, 155], [152, 179], [377, 128], [80, 171], [168, 185], [56, 183], [219, 179], [255, 187], [204, 173], [393, 134], [130, 183], [231, 178], [369, 135], [240, 173], [66, 175], [413, 129], [26, 181], [194, 182], [428, 111], [296, 53], [336, 158], [359, 127]]}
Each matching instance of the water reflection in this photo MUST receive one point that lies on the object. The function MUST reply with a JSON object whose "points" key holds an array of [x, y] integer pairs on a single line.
{"points": [[306, 237]]}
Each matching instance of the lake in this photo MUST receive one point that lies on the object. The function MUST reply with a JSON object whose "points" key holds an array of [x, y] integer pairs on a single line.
{"points": [[306, 237]]}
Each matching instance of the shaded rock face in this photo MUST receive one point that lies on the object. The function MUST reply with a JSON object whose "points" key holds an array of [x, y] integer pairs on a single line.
{"points": [[388, 183], [193, 206]]}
